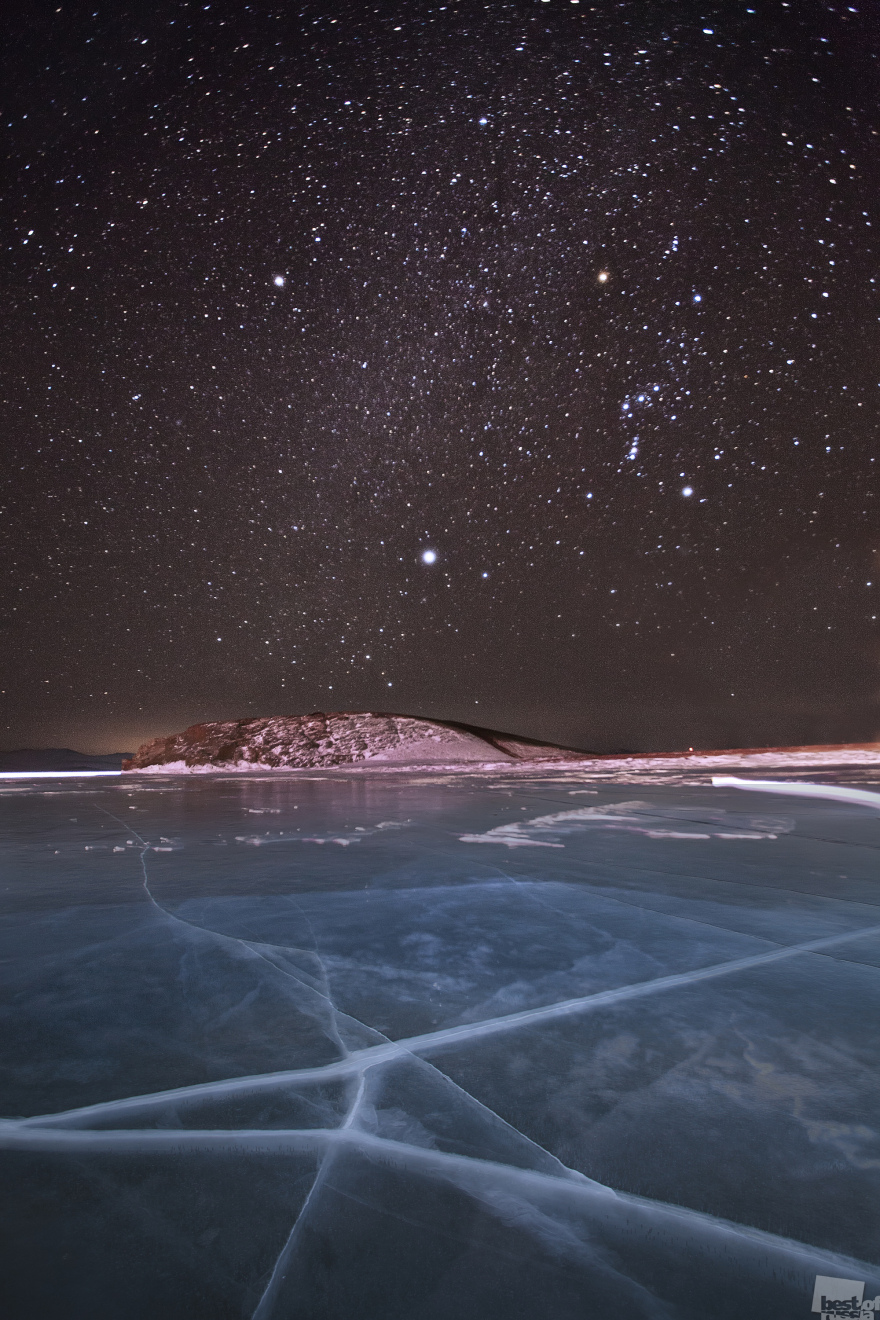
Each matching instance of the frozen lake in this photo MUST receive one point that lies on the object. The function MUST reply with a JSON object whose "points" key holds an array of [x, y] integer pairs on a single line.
{"points": [[413, 1046]]}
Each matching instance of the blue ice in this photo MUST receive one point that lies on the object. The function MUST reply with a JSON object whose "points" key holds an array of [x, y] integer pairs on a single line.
{"points": [[508, 1056]]}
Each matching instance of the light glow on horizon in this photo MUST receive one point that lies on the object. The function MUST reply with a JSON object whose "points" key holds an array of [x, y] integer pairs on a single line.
{"points": [[59, 774]]}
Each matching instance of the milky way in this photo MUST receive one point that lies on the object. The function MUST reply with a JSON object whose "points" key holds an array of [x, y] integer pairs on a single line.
{"points": [[580, 299]]}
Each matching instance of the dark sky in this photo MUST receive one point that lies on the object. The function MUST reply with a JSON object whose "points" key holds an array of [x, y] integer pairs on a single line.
{"points": [[581, 298]]}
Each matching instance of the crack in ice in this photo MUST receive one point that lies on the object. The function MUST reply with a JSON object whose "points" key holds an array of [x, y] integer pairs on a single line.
{"points": [[446, 1037], [503, 1188], [254, 947], [473, 1175], [266, 1303]]}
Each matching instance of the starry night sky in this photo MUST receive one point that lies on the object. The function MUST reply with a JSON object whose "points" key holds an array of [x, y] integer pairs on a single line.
{"points": [[581, 298]]}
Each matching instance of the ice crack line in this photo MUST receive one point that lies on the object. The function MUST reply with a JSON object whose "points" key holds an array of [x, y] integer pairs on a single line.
{"points": [[255, 949], [445, 1038], [270, 1296], [475, 1175]]}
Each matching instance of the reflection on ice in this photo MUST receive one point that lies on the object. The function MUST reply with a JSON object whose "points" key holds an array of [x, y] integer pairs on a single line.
{"points": [[625, 1076]]}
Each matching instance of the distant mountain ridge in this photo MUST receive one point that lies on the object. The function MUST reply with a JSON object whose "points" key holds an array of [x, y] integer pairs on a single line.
{"points": [[59, 758], [294, 742]]}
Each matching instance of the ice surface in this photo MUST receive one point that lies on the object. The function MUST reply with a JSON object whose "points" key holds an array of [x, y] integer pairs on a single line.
{"points": [[632, 1073]]}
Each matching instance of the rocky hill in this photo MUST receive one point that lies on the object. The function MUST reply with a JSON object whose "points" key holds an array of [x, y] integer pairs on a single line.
{"points": [[293, 742]]}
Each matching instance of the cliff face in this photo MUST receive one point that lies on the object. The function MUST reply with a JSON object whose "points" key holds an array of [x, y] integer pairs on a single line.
{"points": [[336, 738]]}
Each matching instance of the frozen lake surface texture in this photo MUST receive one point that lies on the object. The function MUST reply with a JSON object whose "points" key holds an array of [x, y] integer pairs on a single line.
{"points": [[397, 1045]]}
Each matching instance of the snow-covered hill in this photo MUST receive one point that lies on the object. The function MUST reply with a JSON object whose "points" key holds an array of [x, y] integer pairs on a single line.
{"points": [[336, 738], [341, 738]]}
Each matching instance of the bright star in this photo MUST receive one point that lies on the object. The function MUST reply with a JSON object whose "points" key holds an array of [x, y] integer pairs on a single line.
{"points": [[687, 490], [279, 281], [429, 556], [602, 277]]}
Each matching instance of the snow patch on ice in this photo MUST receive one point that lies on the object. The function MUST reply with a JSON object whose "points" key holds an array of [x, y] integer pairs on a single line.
{"points": [[630, 817]]}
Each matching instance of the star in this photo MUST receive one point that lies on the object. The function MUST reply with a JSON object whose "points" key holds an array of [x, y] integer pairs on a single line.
{"points": [[440, 368]]}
